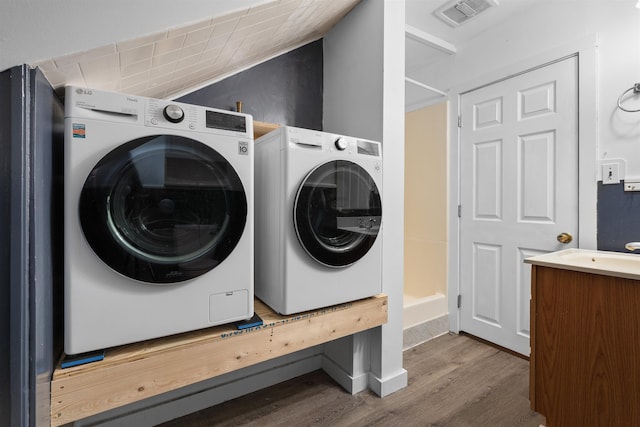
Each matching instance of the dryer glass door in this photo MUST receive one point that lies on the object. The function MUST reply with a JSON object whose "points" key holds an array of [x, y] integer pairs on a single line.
{"points": [[337, 213], [163, 209]]}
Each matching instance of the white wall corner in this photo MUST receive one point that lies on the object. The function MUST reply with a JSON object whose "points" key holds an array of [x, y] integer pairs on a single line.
{"points": [[453, 221], [390, 384], [388, 372], [348, 361], [364, 97], [351, 382]]}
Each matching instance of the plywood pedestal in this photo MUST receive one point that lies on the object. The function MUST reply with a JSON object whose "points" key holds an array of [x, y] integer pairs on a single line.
{"points": [[138, 371]]}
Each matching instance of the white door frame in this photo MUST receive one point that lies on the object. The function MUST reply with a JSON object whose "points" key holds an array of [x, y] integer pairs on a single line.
{"points": [[586, 51]]}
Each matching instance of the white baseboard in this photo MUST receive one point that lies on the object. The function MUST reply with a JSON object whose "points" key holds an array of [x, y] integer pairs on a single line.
{"points": [[352, 384], [366, 380], [417, 310], [392, 383], [424, 332]]}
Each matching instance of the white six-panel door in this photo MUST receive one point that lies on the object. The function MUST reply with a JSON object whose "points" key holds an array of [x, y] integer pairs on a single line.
{"points": [[518, 192]]}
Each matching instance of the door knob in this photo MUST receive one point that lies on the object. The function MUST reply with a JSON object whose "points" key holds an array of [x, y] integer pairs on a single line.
{"points": [[564, 238]]}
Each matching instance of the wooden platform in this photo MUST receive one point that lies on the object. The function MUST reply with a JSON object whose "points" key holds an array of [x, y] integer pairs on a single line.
{"points": [[138, 371]]}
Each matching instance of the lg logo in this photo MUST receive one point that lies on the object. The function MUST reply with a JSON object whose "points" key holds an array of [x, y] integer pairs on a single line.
{"points": [[243, 148], [80, 91]]}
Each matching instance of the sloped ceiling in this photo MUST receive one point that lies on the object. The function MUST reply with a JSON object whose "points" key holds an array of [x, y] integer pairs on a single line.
{"points": [[182, 58]]}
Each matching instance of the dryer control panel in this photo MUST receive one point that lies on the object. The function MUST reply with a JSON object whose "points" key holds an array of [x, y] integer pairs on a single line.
{"points": [[172, 115], [165, 114], [328, 142], [176, 115]]}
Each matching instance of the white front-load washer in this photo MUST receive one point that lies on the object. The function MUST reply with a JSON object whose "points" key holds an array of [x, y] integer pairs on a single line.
{"points": [[158, 218], [318, 219]]}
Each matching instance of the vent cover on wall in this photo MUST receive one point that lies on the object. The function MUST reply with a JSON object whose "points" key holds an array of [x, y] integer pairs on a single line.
{"points": [[458, 12]]}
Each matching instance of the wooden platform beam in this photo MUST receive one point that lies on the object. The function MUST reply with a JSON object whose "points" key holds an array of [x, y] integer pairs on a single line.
{"points": [[262, 128], [138, 371]]}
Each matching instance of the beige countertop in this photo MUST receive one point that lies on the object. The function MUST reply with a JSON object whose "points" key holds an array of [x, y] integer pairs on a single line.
{"points": [[616, 264]]}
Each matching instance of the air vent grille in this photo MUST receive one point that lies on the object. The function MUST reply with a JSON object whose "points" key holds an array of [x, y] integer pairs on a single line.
{"points": [[458, 12]]}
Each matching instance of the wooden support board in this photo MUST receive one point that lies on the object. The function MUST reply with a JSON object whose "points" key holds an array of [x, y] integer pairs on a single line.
{"points": [[138, 371], [262, 128]]}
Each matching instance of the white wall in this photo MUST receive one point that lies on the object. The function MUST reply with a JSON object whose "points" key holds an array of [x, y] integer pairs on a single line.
{"points": [[364, 96], [549, 24], [545, 29]]}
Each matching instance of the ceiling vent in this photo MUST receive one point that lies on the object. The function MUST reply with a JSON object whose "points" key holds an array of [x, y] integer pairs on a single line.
{"points": [[456, 13]]}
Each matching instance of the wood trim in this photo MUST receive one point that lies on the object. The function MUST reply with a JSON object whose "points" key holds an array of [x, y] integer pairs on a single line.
{"points": [[429, 40], [138, 371], [263, 128], [494, 345], [532, 339]]}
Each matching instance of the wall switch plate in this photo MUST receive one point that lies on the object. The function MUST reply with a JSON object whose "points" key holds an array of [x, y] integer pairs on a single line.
{"points": [[610, 173], [631, 186]]}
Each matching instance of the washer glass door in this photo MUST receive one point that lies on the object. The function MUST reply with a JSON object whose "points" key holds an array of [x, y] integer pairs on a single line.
{"points": [[163, 209], [337, 213]]}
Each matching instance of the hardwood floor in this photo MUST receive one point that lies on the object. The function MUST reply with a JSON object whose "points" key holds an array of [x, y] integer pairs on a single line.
{"points": [[453, 381]]}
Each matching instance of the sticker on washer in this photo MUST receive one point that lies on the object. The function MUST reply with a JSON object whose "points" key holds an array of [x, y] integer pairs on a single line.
{"points": [[78, 130], [243, 148]]}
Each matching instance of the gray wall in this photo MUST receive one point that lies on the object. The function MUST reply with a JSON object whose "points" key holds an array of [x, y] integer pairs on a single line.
{"points": [[31, 135], [618, 217], [46, 238], [5, 181], [286, 90]]}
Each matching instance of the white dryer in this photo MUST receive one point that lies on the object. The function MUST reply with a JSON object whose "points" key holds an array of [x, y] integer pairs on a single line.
{"points": [[318, 219], [158, 218]]}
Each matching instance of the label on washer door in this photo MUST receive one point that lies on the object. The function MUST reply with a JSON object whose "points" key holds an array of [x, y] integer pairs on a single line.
{"points": [[78, 130], [243, 148]]}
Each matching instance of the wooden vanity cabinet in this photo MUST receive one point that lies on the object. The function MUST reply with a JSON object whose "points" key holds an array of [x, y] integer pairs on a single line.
{"points": [[585, 348]]}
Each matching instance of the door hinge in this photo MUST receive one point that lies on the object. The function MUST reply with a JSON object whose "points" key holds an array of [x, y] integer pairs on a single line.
{"points": [[459, 121], [459, 300], [459, 211]]}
